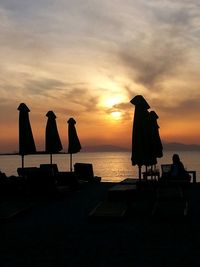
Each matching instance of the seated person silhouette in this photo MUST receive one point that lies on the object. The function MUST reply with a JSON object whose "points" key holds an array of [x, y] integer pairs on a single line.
{"points": [[178, 170]]}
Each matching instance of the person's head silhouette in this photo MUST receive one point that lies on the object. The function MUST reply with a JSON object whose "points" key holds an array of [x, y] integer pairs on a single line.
{"points": [[176, 159]]}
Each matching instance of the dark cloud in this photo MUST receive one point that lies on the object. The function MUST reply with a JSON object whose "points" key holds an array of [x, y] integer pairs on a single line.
{"points": [[178, 13], [188, 108], [162, 48], [151, 64]]}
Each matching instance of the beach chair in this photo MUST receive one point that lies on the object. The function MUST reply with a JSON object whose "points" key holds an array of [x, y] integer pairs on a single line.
{"points": [[25, 172], [62, 178], [122, 191], [109, 210], [130, 181], [171, 202], [39, 181], [84, 172], [166, 170], [166, 177], [49, 168]]}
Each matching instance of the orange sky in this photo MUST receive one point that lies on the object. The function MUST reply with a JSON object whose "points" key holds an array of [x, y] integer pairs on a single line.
{"points": [[88, 59]]}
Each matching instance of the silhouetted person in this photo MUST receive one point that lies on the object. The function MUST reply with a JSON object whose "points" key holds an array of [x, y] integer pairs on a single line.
{"points": [[178, 170]]}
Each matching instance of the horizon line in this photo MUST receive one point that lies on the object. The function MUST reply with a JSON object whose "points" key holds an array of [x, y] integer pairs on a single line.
{"points": [[114, 148]]}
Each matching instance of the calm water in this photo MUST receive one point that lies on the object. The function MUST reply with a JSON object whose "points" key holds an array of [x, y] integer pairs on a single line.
{"points": [[111, 166]]}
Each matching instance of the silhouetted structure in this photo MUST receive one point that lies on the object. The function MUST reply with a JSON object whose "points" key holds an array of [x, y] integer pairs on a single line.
{"points": [[84, 172], [156, 144], [74, 145], [140, 133], [146, 142], [52, 140], [26, 140]]}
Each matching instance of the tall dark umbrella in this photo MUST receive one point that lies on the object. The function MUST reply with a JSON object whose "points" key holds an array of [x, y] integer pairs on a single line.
{"points": [[26, 140], [74, 145], [156, 144], [140, 134], [52, 140]]}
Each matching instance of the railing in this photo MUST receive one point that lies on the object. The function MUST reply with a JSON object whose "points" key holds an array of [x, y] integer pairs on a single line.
{"points": [[155, 175]]}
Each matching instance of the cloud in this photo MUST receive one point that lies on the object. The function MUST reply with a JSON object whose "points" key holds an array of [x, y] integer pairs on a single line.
{"points": [[72, 55], [42, 87], [153, 57], [81, 100], [187, 108], [154, 64], [8, 111]]}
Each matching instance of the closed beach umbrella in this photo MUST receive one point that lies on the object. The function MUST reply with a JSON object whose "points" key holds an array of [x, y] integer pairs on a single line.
{"points": [[156, 144], [74, 145], [26, 140], [140, 133], [52, 140]]}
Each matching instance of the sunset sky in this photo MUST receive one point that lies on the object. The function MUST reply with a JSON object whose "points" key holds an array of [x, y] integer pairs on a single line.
{"points": [[88, 59]]}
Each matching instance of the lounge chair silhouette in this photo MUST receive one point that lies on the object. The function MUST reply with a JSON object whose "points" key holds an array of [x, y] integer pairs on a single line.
{"points": [[84, 172], [62, 178]]}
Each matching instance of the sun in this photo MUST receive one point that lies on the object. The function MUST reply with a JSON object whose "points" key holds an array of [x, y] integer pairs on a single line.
{"points": [[110, 102], [111, 106], [116, 115]]}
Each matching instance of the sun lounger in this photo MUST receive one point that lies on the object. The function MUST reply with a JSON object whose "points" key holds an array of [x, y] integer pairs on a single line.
{"points": [[130, 181], [170, 202], [108, 210], [62, 178], [122, 191], [50, 168], [84, 172], [170, 193], [25, 172], [39, 181], [10, 209], [170, 210]]}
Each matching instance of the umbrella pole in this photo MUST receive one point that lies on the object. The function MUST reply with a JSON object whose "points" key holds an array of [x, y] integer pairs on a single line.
{"points": [[70, 162], [22, 161], [140, 172]]}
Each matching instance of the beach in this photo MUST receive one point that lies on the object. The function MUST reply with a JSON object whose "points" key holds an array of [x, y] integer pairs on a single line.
{"points": [[58, 231]]}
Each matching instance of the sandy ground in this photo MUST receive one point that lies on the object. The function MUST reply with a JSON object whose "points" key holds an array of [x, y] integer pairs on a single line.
{"points": [[57, 231]]}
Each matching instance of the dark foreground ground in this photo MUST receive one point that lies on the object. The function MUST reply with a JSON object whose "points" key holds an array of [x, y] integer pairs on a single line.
{"points": [[58, 232]]}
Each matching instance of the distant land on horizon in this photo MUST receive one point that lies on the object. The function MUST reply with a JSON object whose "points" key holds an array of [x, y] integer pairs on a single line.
{"points": [[166, 146], [112, 148], [181, 147]]}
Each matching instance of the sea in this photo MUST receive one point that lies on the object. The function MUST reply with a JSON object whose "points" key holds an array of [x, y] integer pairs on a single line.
{"points": [[110, 166]]}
